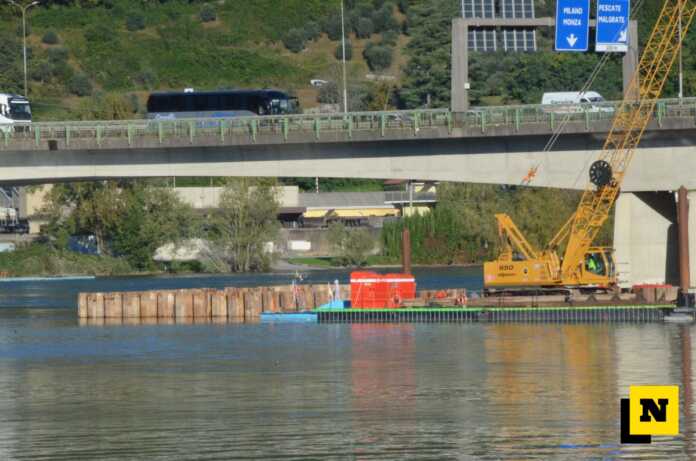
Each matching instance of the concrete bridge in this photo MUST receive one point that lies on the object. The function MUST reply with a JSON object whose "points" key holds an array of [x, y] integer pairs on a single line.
{"points": [[498, 145]]}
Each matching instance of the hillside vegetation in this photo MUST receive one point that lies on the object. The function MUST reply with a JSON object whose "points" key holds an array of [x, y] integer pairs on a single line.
{"points": [[99, 58]]}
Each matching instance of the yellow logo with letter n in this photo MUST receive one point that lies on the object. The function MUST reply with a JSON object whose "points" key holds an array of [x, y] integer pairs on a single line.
{"points": [[654, 410]]}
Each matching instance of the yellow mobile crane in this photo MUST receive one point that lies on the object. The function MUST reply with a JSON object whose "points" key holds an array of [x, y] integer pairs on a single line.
{"points": [[582, 265]]}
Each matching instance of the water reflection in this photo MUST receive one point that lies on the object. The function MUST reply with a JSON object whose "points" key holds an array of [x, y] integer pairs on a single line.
{"points": [[271, 391]]}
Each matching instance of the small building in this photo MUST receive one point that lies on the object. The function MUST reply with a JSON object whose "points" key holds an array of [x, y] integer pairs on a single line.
{"points": [[350, 208], [411, 197]]}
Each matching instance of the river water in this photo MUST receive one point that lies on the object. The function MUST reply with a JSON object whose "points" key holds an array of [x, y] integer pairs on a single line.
{"points": [[307, 391]]}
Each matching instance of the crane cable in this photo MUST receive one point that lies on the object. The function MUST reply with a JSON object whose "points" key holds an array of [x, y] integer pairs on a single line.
{"points": [[564, 122]]}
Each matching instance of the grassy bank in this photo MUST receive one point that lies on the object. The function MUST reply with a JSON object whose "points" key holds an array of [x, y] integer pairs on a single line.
{"points": [[42, 260], [329, 262]]}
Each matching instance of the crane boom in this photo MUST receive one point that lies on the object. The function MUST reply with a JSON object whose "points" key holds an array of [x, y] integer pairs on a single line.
{"points": [[582, 264], [630, 122]]}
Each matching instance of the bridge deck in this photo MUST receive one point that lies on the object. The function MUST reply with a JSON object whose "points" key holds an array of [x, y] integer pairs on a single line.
{"points": [[358, 126]]}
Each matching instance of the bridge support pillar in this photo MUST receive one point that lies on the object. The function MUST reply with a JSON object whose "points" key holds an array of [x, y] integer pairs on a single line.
{"points": [[460, 66], [646, 239], [691, 199]]}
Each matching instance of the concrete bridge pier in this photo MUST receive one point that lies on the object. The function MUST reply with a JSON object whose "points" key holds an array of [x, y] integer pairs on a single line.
{"points": [[691, 200], [646, 238]]}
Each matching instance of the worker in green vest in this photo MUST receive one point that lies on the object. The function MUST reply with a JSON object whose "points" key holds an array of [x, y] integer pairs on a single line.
{"points": [[592, 264]]}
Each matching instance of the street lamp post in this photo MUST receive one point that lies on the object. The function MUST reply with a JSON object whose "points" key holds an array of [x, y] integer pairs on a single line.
{"points": [[24, 9], [343, 44]]}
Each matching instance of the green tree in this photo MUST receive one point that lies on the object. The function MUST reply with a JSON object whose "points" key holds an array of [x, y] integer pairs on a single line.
{"points": [[50, 38], [246, 222], [80, 85], [312, 30], [135, 22], [332, 27], [208, 14], [364, 28], [129, 219], [154, 216], [294, 40], [84, 208], [427, 74], [378, 57], [349, 51], [383, 19], [352, 246]]}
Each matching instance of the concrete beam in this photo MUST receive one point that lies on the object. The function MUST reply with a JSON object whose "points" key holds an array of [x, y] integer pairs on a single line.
{"points": [[664, 162], [460, 53]]}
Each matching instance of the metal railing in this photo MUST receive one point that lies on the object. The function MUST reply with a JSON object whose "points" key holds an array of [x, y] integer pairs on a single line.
{"points": [[403, 196], [315, 127]]}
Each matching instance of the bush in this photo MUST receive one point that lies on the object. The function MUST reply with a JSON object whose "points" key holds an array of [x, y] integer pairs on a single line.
{"points": [[328, 94], [42, 72], [378, 57], [332, 27], [364, 28], [390, 38], [383, 19], [351, 245], [57, 55], [97, 33], [208, 14], [294, 40], [146, 79], [349, 51], [135, 22], [50, 38], [80, 85], [312, 31]]}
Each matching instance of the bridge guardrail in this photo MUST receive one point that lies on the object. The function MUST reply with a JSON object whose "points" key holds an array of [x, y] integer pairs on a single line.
{"points": [[402, 196], [315, 126]]}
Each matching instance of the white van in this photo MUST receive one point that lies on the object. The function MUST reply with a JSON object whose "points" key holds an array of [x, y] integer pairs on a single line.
{"points": [[14, 111], [574, 101]]}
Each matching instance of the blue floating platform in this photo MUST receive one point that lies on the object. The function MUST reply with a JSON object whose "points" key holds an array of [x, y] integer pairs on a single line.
{"points": [[47, 279], [289, 317]]}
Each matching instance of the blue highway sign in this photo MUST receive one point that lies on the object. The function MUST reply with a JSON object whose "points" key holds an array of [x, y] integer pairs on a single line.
{"points": [[572, 25], [612, 25]]}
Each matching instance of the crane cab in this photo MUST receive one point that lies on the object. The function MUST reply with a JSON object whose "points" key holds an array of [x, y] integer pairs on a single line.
{"points": [[598, 267]]}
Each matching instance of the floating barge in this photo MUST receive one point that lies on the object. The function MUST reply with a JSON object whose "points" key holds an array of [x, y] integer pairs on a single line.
{"points": [[580, 314], [308, 303]]}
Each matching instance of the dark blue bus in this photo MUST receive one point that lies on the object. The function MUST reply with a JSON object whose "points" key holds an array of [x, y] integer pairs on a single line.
{"points": [[218, 104]]}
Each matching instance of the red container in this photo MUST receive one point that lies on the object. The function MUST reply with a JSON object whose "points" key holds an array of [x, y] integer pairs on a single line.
{"points": [[369, 290]]}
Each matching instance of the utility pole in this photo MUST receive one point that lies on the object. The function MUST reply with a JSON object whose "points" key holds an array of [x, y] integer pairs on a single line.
{"points": [[681, 47], [343, 41], [24, 9]]}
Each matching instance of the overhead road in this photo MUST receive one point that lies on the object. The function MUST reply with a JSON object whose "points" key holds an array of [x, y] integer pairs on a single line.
{"points": [[495, 145], [494, 121]]}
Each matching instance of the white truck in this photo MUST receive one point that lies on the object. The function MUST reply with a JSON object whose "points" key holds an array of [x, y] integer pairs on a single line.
{"points": [[15, 112], [568, 102]]}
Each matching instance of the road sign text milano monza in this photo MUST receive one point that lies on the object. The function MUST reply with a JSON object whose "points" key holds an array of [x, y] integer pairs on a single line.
{"points": [[572, 25]]}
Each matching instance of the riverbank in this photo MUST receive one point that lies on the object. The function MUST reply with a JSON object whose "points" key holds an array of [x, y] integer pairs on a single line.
{"points": [[40, 260], [373, 262]]}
